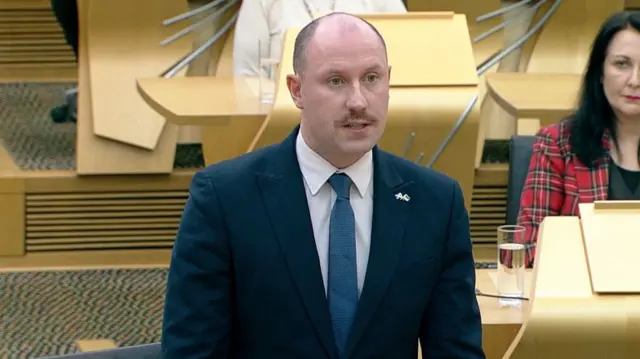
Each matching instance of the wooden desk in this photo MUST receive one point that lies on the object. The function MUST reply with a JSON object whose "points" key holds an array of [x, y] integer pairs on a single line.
{"points": [[499, 324], [227, 109], [203, 100], [547, 97]]}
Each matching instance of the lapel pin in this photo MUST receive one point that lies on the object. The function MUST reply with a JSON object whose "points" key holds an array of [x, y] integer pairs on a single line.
{"points": [[402, 197]]}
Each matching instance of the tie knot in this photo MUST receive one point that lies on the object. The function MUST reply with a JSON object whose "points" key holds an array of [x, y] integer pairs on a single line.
{"points": [[341, 183]]}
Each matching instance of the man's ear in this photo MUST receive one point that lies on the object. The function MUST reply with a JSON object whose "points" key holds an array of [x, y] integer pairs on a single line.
{"points": [[293, 84]]}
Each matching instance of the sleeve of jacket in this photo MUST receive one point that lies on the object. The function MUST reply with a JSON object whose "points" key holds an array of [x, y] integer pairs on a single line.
{"points": [[452, 326], [543, 190], [198, 303]]}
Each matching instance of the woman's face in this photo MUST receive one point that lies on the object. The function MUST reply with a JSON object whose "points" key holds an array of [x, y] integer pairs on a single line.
{"points": [[621, 77]]}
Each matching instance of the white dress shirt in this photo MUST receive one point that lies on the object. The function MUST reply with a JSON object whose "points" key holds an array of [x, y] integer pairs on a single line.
{"points": [[265, 21], [320, 198]]}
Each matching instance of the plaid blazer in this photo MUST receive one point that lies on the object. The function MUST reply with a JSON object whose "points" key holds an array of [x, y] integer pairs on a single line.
{"points": [[558, 181]]}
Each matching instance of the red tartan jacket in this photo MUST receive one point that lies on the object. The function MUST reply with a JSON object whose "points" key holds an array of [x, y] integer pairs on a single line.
{"points": [[558, 181]]}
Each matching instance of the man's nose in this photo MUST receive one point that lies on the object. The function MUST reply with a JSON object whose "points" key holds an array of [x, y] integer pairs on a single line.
{"points": [[356, 101]]}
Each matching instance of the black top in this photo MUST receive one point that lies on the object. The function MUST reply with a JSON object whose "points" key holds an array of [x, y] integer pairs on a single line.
{"points": [[624, 184]]}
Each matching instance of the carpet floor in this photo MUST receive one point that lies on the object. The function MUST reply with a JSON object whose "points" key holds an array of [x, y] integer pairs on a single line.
{"points": [[44, 313]]}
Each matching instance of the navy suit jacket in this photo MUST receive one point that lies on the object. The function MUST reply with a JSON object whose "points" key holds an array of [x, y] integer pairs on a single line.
{"points": [[245, 278]]}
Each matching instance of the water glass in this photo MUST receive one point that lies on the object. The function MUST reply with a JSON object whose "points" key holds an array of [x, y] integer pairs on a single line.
{"points": [[511, 264], [268, 69]]}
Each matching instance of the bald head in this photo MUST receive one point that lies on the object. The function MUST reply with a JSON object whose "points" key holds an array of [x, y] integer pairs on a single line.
{"points": [[337, 22]]}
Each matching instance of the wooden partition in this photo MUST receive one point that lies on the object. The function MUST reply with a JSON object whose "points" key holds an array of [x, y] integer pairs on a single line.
{"points": [[563, 44], [471, 10], [32, 47], [546, 98], [586, 294], [119, 40], [431, 85], [482, 51]]}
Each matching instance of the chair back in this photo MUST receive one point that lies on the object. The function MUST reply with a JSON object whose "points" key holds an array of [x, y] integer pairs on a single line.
{"points": [[520, 152]]}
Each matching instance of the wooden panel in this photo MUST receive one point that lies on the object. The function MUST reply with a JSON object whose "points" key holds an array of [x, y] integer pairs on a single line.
{"points": [[99, 155], [488, 212], [563, 44], [32, 45], [96, 220], [95, 345], [104, 258], [632, 4], [12, 224]]}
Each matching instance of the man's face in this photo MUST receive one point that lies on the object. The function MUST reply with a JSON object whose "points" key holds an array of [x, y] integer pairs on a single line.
{"points": [[343, 92]]}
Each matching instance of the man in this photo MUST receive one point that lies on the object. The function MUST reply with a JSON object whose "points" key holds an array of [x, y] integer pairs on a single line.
{"points": [[325, 246]]}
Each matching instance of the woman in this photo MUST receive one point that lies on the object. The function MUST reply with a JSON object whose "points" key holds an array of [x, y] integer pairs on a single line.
{"points": [[594, 154], [265, 21]]}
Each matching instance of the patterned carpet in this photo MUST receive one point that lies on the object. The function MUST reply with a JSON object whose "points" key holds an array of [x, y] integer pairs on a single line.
{"points": [[43, 313], [35, 142]]}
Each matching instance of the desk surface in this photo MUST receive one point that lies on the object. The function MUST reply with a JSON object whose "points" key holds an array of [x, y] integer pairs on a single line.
{"points": [[499, 324], [192, 100], [526, 95], [492, 313]]}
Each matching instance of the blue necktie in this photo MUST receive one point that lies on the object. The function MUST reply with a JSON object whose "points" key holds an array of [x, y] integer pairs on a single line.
{"points": [[343, 276]]}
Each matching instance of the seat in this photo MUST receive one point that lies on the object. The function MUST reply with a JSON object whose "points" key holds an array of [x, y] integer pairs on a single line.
{"points": [[520, 151], [145, 351]]}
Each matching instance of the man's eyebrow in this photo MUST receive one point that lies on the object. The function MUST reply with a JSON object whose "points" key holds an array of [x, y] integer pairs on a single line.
{"points": [[373, 67]]}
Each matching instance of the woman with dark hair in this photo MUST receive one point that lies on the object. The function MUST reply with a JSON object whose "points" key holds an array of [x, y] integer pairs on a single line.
{"points": [[594, 154]]}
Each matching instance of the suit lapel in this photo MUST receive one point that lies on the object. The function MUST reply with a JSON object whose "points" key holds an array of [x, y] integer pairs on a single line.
{"points": [[388, 226], [283, 193]]}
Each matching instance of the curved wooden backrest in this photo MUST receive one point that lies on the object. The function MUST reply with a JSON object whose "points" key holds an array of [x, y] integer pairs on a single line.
{"points": [[431, 86], [563, 44], [471, 9], [561, 47], [119, 41], [569, 319], [544, 97], [224, 64]]}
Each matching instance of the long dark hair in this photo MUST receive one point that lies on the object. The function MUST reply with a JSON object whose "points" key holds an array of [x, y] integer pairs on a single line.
{"points": [[594, 114]]}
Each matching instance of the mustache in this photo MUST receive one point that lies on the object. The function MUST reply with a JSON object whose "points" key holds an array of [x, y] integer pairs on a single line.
{"points": [[358, 118]]}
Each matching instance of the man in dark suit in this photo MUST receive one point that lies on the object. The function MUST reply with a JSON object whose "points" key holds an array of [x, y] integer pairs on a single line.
{"points": [[325, 246]]}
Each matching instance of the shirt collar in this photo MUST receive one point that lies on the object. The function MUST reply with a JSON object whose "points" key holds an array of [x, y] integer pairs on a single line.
{"points": [[316, 170]]}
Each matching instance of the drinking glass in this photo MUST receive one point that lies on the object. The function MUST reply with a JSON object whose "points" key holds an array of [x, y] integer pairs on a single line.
{"points": [[511, 264]]}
